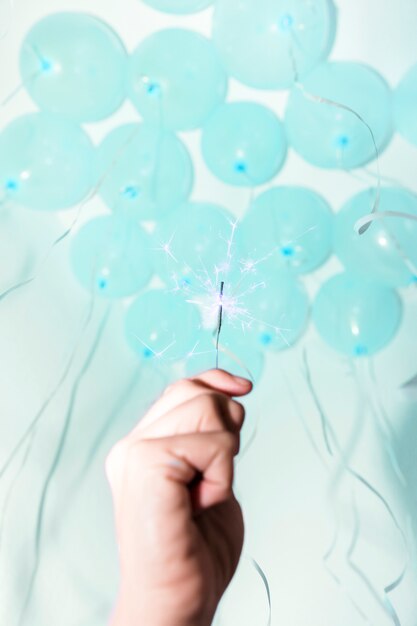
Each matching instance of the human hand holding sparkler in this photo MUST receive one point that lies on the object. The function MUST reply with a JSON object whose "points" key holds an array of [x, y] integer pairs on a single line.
{"points": [[179, 526]]}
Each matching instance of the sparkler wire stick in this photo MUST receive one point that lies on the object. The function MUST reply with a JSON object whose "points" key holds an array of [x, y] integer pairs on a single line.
{"points": [[220, 322]]}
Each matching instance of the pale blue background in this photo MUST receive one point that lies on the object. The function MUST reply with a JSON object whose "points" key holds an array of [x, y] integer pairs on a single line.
{"points": [[280, 482]]}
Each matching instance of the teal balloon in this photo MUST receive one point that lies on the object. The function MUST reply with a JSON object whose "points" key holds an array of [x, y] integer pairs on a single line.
{"points": [[194, 248], [235, 354], [176, 79], [380, 252], [274, 315], [110, 257], [356, 317], [74, 64], [264, 43], [244, 144], [143, 171], [181, 7], [405, 106], [287, 227], [45, 162], [162, 327], [329, 135]]}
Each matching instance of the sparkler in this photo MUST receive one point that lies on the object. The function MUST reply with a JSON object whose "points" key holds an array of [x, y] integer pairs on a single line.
{"points": [[200, 286]]}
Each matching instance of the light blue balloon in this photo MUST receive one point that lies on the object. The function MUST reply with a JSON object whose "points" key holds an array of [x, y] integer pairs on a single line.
{"points": [[405, 106], [143, 171], [244, 144], [274, 315], [162, 327], [264, 43], [110, 256], [176, 79], [74, 64], [45, 162], [179, 6], [379, 252], [236, 355], [194, 248], [287, 227], [330, 136], [356, 317]]}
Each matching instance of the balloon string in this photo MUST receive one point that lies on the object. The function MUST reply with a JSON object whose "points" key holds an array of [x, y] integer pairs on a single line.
{"points": [[114, 413], [386, 604], [56, 459], [363, 221], [383, 424], [12, 487], [264, 579], [338, 105], [80, 209], [363, 224], [323, 420], [328, 553], [54, 391], [19, 87], [373, 490], [337, 473], [5, 27]]}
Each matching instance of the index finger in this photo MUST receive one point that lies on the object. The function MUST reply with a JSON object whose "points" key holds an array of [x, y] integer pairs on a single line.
{"points": [[224, 382]]}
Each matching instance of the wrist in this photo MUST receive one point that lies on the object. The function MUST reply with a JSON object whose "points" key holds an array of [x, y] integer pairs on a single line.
{"points": [[136, 613]]}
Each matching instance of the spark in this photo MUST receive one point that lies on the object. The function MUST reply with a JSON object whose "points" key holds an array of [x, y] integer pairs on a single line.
{"points": [[200, 286], [166, 247], [151, 352]]}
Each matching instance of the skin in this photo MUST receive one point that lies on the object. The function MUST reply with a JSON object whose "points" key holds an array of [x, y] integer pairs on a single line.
{"points": [[179, 527]]}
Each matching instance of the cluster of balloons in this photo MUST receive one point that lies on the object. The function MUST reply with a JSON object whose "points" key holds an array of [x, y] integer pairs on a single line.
{"points": [[339, 115]]}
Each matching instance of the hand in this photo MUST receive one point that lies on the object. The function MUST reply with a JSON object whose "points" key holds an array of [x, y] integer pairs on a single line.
{"points": [[179, 526]]}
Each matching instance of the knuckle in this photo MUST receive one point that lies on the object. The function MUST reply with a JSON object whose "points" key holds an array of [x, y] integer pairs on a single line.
{"points": [[237, 410], [210, 402], [136, 454], [230, 443], [114, 458]]}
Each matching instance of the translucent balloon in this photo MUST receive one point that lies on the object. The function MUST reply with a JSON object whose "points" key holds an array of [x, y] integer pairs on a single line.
{"points": [[405, 106], [274, 315], [380, 252], [261, 42], [194, 245], [162, 326], [287, 226], [236, 355], [331, 136], [144, 171], [244, 144], [179, 6], [356, 317], [75, 64], [176, 79], [45, 161], [110, 257]]}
